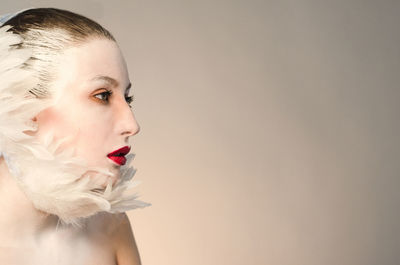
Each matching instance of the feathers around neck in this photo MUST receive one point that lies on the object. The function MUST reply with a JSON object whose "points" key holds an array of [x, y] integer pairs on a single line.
{"points": [[53, 179]]}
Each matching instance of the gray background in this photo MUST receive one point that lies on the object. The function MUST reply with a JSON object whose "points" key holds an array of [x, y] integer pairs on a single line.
{"points": [[269, 128]]}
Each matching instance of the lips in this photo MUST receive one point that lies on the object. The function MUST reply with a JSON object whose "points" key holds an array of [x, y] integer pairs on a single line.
{"points": [[118, 156]]}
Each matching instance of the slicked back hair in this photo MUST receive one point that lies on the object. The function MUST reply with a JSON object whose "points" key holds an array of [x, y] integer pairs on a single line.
{"points": [[47, 32]]}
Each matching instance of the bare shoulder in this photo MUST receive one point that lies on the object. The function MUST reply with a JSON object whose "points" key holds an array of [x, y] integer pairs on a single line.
{"points": [[118, 231], [124, 242]]}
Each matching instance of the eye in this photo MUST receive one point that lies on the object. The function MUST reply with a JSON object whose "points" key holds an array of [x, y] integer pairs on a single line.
{"points": [[103, 96], [129, 100]]}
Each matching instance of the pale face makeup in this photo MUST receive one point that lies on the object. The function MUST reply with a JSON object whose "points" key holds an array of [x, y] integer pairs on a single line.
{"points": [[92, 104]]}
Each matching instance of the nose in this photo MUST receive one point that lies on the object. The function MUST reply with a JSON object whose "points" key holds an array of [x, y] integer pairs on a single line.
{"points": [[132, 127], [126, 123]]}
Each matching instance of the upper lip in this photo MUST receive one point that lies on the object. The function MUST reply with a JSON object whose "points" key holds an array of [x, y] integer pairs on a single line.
{"points": [[120, 152]]}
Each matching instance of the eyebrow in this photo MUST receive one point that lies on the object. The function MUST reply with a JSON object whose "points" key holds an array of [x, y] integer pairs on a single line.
{"points": [[110, 81]]}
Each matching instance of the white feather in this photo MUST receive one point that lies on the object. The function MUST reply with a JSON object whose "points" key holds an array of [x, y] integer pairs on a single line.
{"points": [[54, 180]]}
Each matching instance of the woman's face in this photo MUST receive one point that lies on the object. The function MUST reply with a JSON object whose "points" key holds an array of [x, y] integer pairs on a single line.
{"points": [[92, 104]]}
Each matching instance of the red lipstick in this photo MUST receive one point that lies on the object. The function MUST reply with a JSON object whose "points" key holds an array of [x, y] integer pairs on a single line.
{"points": [[118, 156]]}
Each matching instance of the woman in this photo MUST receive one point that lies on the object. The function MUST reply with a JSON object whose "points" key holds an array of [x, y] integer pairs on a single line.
{"points": [[65, 121]]}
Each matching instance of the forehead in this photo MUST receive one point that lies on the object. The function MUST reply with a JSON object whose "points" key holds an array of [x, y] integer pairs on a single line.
{"points": [[81, 64]]}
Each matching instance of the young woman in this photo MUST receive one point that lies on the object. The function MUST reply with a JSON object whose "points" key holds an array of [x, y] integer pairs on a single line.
{"points": [[65, 122]]}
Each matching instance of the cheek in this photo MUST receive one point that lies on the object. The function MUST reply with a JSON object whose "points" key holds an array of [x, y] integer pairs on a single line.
{"points": [[89, 134], [52, 122], [93, 137]]}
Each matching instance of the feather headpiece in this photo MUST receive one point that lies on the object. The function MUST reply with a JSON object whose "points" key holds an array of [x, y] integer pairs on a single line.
{"points": [[53, 179]]}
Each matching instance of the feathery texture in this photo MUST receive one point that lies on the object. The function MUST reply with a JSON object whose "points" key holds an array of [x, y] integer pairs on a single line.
{"points": [[54, 180]]}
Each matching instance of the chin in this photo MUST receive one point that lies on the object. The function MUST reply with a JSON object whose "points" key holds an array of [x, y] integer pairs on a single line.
{"points": [[56, 181]]}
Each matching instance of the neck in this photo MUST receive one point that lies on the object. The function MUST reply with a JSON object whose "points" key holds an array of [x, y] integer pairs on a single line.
{"points": [[19, 219]]}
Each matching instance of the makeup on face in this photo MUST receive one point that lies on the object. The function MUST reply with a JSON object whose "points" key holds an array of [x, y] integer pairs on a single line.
{"points": [[118, 156], [94, 88], [105, 93]]}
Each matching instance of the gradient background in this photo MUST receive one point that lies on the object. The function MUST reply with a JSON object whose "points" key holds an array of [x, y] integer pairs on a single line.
{"points": [[269, 128]]}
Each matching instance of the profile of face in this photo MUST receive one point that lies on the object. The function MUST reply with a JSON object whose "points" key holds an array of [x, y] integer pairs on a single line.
{"points": [[92, 105]]}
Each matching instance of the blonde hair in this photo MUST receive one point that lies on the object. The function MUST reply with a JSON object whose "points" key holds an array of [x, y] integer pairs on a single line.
{"points": [[47, 32]]}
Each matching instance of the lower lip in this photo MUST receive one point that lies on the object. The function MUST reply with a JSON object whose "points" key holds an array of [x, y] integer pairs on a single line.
{"points": [[120, 160]]}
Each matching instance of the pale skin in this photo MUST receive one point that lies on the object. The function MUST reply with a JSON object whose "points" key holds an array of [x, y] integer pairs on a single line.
{"points": [[100, 124]]}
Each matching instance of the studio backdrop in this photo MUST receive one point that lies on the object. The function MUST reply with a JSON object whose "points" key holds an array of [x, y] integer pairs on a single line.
{"points": [[269, 129]]}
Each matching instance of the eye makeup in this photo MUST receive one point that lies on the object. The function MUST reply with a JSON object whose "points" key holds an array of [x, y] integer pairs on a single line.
{"points": [[129, 100], [103, 95]]}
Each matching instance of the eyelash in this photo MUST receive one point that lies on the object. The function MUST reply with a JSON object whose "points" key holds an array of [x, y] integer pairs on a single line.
{"points": [[129, 100], [108, 94]]}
